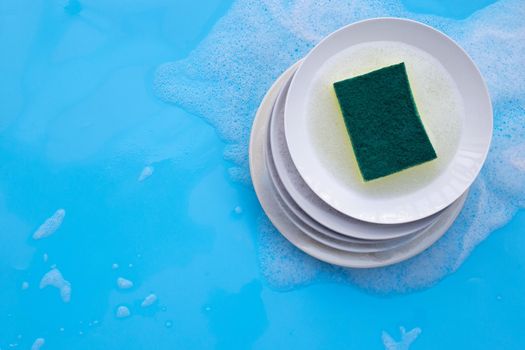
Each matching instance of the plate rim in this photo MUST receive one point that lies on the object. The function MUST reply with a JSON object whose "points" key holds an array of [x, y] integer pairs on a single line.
{"points": [[325, 239], [422, 202]]}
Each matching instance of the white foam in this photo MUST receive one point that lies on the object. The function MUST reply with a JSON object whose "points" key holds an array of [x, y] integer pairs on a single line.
{"points": [[114, 266], [281, 263], [146, 172], [255, 41], [149, 300], [407, 338], [38, 343], [50, 225], [55, 279], [124, 283], [122, 312]]}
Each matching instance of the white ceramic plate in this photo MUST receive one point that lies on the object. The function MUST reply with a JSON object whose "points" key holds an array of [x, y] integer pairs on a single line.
{"points": [[442, 188], [269, 203], [314, 206]]}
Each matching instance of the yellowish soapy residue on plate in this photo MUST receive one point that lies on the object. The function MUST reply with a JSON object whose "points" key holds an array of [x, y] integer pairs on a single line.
{"points": [[435, 93]]}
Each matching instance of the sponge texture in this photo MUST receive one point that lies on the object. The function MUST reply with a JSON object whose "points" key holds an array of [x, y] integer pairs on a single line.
{"points": [[382, 120]]}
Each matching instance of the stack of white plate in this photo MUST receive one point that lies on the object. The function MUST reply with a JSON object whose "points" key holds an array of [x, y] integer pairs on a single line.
{"points": [[315, 202]]}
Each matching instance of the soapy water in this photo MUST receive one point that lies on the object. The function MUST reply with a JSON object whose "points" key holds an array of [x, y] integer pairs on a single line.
{"points": [[407, 338], [55, 279], [224, 79], [122, 312], [146, 172], [38, 344], [149, 300], [124, 283], [50, 225]]}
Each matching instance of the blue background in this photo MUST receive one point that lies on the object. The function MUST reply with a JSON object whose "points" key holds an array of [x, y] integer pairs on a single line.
{"points": [[79, 120]]}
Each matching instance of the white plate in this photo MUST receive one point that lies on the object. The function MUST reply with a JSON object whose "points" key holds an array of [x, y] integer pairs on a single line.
{"points": [[314, 206], [262, 185], [443, 187]]}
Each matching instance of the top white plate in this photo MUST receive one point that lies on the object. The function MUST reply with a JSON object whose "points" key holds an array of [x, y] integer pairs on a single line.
{"points": [[439, 72]]}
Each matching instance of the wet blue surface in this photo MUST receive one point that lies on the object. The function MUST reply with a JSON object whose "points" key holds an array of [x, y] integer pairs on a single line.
{"points": [[79, 122]]}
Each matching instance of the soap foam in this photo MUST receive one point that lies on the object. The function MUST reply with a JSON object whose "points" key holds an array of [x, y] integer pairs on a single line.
{"points": [[50, 225], [149, 300], [122, 312], [124, 283], [407, 338], [146, 172], [38, 343], [55, 279], [224, 79]]}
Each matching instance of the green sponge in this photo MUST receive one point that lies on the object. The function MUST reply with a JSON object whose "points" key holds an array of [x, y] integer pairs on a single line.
{"points": [[382, 120]]}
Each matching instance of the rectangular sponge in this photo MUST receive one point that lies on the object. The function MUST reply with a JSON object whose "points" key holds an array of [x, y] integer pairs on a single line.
{"points": [[382, 120]]}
